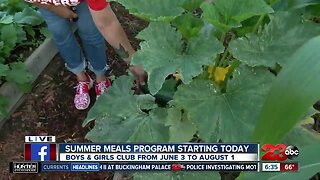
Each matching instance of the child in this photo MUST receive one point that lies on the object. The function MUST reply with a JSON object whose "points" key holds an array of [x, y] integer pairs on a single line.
{"points": [[57, 15]]}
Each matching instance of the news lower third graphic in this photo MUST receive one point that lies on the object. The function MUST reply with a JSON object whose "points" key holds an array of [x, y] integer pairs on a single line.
{"points": [[43, 154]]}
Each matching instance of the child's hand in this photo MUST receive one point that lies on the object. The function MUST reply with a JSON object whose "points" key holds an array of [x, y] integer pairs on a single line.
{"points": [[65, 12], [140, 76], [62, 11]]}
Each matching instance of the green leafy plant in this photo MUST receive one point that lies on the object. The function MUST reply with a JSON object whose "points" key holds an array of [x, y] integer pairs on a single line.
{"points": [[18, 22], [227, 63]]}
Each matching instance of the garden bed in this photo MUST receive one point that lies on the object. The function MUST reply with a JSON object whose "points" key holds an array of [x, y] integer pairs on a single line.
{"points": [[36, 63], [49, 109]]}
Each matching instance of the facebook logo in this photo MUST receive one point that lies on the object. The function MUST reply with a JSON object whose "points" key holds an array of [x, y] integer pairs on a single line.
{"points": [[40, 152]]}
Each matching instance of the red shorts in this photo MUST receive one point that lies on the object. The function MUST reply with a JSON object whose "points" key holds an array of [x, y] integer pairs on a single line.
{"points": [[97, 5]]}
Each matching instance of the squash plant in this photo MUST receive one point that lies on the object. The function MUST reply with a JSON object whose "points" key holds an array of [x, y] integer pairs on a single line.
{"points": [[217, 66]]}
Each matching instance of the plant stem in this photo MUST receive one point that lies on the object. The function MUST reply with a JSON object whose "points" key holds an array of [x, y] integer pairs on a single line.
{"points": [[255, 29], [227, 61], [224, 34], [223, 59], [223, 37], [233, 66]]}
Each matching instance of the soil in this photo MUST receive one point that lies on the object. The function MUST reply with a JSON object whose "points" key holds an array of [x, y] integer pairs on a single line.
{"points": [[48, 109]]}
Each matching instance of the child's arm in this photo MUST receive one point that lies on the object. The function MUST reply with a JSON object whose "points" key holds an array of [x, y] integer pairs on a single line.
{"points": [[109, 26]]}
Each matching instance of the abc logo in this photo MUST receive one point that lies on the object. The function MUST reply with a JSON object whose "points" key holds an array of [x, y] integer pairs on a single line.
{"points": [[279, 152], [291, 152]]}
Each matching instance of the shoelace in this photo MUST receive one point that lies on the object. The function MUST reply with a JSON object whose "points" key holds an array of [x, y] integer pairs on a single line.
{"points": [[102, 86], [81, 98], [80, 87]]}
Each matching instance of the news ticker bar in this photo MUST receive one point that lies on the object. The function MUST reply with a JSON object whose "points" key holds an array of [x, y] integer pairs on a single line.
{"points": [[37, 167]]}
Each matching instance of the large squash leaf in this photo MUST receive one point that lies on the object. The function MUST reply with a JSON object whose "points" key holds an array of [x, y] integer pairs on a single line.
{"points": [[285, 5], [191, 5], [188, 25], [230, 116], [277, 42], [181, 129], [227, 14], [155, 10], [162, 53], [121, 90], [121, 116]]}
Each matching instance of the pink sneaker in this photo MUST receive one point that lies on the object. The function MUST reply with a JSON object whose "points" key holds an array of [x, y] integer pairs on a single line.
{"points": [[101, 87], [82, 98]]}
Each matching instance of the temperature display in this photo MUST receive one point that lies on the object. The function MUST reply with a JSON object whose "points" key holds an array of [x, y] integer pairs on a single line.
{"points": [[289, 167]]}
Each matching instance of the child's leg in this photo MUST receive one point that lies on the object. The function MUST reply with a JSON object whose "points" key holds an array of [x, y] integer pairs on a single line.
{"points": [[95, 48], [66, 43], [70, 51], [93, 42]]}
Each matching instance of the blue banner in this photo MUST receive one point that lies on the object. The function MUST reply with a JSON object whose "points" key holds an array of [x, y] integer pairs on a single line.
{"points": [[159, 148], [95, 167]]}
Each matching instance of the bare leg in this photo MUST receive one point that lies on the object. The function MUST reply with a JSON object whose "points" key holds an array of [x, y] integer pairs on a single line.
{"points": [[81, 76], [100, 78]]}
